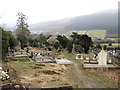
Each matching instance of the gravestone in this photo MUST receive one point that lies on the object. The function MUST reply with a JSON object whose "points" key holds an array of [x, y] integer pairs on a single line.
{"points": [[102, 58]]}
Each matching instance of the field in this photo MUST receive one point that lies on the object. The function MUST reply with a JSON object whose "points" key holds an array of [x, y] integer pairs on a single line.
{"points": [[90, 33]]}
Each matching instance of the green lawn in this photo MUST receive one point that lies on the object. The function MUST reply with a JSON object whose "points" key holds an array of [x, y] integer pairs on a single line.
{"points": [[22, 59]]}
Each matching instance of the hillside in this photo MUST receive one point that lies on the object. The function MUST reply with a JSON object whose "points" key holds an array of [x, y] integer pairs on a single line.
{"points": [[92, 33], [104, 20]]}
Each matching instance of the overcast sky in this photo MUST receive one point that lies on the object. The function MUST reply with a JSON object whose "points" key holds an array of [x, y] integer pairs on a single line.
{"points": [[45, 10]]}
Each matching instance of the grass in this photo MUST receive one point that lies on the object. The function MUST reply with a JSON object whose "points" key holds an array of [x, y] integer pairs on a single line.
{"points": [[103, 80], [49, 72], [41, 69], [76, 83], [37, 74], [68, 56], [36, 67], [79, 84], [22, 59]]}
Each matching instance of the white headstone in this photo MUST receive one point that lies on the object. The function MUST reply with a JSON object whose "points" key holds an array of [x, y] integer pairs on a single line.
{"points": [[102, 58]]}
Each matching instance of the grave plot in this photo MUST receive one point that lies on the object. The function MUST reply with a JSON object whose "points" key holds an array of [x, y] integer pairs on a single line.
{"points": [[22, 54], [102, 62], [88, 58], [63, 61], [43, 57]]}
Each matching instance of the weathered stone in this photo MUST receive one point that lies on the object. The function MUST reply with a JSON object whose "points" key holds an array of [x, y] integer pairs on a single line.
{"points": [[102, 58]]}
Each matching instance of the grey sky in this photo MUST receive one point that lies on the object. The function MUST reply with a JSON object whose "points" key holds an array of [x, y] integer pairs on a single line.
{"points": [[44, 10]]}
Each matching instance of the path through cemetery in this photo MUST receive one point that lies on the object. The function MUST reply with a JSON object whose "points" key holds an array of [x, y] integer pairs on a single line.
{"points": [[85, 80]]}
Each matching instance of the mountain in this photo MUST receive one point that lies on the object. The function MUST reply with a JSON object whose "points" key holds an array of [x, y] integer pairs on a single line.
{"points": [[104, 20], [107, 20], [52, 26]]}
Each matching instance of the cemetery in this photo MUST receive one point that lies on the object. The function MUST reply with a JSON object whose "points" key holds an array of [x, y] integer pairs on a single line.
{"points": [[101, 61], [43, 68], [57, 61], [49, 63], [60, 45]]}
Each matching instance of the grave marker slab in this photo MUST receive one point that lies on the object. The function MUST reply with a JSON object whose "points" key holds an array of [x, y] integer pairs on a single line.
{"points": [[102, 58]]}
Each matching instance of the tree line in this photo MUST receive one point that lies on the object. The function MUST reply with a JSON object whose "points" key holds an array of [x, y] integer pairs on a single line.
{"points": [[23, 37]]}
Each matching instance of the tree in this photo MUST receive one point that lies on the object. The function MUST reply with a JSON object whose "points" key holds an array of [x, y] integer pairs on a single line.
{"points": [[22, 31], [63, 40], [5, 43], [70, 46], [78, 48], [76, 37], [12, 41], [85, 42], [82, 40], [23, 40], [42, 39], [56, 45], [8, 40], [33, 42]]}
